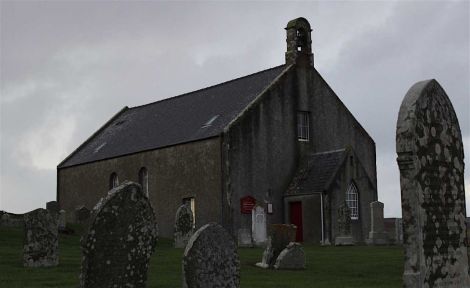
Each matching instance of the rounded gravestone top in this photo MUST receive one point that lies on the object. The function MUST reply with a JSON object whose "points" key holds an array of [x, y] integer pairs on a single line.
{"points": [[120, 240], [210, 259]]}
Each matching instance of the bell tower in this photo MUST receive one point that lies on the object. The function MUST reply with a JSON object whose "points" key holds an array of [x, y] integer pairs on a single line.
{"points": [[299, 42]]}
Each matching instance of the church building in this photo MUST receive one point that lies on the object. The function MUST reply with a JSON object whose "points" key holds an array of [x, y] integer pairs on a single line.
{"points": [[280, 137]]}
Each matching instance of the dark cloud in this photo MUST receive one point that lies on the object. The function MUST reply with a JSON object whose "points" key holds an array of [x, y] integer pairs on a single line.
{"points": [[66, 67]]}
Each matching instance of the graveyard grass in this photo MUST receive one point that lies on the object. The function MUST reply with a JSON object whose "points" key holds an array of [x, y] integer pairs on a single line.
{"points": [[359, 266]]}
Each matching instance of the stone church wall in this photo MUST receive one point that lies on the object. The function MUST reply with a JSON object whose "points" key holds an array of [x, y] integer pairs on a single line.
{"points": [[262, 153], [334, 127], [176, 172]]}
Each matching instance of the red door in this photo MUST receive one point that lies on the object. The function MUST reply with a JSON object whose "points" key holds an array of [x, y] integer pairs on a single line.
{"points": [[296, 219]]}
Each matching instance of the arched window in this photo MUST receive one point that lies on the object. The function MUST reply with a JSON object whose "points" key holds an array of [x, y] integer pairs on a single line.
{"points": [[352, 199], [113, 180], [144, 180]]}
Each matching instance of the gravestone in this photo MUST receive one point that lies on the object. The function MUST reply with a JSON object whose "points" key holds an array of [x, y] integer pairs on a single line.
{"points": [[430, 158], [280, 235], [394, 229], [244, 237], [258, 230], [291, 258], [120, 239], [183, 226], [53, 206], [377, 235], [82, 215], [41, 244], [210, 259], [344, 237], [62, 220]]}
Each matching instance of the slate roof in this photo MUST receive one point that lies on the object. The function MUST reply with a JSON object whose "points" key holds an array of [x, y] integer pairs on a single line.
{"points": [[317, 172], [193, 116]]}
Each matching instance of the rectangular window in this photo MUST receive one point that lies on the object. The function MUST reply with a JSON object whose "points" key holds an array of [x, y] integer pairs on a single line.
{"points": [[192, 204], [303, 119]]}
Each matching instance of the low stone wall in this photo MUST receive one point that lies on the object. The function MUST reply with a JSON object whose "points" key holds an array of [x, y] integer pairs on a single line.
{"points": [[11, 220]]}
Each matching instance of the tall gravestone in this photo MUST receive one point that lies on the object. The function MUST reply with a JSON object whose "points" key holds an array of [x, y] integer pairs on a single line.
{"points": [[41, 242], [377, 235], [183, 226], [344, 237], [259, 230], [120, 239], [210, 259], [430, 158]]}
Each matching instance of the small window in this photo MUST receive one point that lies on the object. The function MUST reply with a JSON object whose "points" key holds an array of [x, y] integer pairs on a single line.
{"points": [[144, 180], [303, 119], [192, 204], [113, 181], [352, 200]]}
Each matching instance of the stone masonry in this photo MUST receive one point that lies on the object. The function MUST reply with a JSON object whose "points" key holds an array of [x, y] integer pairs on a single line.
{"points": [[41, 244], [430, 158], [120, 240], [210, 259]]}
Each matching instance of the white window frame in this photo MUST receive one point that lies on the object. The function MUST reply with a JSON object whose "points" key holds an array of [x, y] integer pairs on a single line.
{"points": [[352, 200], [192, 204], [303, 126], [114, 181]]}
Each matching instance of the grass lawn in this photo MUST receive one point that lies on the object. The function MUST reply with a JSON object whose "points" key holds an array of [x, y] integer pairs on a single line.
{"points": [[359, 266]]}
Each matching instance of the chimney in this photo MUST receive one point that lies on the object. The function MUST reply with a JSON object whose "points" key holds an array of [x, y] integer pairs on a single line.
{"points": [[299, 42]]}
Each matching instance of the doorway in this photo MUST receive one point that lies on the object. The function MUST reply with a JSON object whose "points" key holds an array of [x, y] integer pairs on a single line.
{"points": [[296, 219]]}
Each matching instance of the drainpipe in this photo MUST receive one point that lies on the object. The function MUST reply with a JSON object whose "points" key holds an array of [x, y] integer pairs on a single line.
{"points": [[322, 223]]}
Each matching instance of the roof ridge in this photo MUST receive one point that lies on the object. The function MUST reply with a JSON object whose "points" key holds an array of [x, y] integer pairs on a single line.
{"points": [[206, 88]]}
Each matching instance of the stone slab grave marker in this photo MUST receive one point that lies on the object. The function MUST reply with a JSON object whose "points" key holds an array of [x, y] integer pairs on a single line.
{"points": [[344, 237], [210, 259], [258, 229], [53, 206], [41, 244], [183, 226], [62, 220], [244, 237], [377, 235], [120, 239], [430, 158], [291, 258], [82, 215], [280, 235]]}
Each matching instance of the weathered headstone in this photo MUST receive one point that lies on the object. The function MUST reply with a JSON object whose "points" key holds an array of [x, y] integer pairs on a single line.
{"points": [[377, 235], [53, 206], [280, 235], [244, 237], [291, 258], [394, 229], [258, 220], [40, 239], [120, 240], [82, 215], [430, 158], [210, 259], [183, 226], [344, 226], [62, 220]]}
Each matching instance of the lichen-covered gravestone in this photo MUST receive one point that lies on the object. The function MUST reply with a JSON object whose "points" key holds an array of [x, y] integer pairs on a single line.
{"points": [[210, 259], [430, 158], [344, 226], [280, 235], [41, 244], [120, 240], [183, 226], [291, 258]]}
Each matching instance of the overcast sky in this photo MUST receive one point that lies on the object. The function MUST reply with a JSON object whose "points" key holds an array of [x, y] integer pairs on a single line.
{"points": [[67, 67]]}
